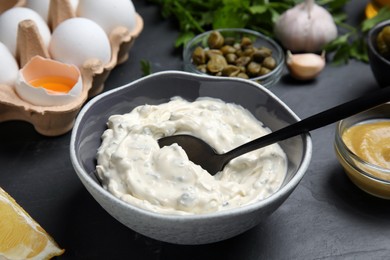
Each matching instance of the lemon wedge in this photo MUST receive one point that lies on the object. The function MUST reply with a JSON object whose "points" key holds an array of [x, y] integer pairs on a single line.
{"points": [[21, 237]]}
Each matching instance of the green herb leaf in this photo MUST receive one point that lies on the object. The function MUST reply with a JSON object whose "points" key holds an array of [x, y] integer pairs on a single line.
{"points": [[223, 17], [258, 9], [146, 68], [383, 14]]}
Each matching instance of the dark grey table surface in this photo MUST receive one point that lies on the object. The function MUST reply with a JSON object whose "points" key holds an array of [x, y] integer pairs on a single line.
{"points": [[326, 217]]}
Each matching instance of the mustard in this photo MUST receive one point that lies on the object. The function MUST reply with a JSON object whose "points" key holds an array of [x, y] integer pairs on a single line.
{"points": [[370, 141]]}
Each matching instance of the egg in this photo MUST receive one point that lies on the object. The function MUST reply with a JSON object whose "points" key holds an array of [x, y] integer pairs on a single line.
{"points": [[39, 6], [47, 82], [78, 39], [74, 3], [8, 66], [109, 14], [42, 7], [9, 21]]}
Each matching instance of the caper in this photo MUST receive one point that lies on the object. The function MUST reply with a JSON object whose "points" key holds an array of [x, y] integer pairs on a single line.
{"points": [[269, 62], [264, 71], [243, 75], [227, 49], [261, 53], [243, 61], [231, 58], [383, 41], [202, 68], [213, 52], [242, 68], [230, 71], [253, 68], [267, 51], [240, 53], [249, 51], [216, 64], [199, 56], [246, 42], [215, 40]]}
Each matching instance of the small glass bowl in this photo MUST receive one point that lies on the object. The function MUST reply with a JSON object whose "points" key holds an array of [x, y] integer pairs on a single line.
{"points": [[371, 178], [258, 40]]}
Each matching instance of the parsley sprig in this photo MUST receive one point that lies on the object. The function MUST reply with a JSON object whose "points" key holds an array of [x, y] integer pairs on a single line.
{"points": [[351, 44]]}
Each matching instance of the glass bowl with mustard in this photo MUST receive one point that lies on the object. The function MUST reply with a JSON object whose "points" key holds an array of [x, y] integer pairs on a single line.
{"points": [[362, 146]]}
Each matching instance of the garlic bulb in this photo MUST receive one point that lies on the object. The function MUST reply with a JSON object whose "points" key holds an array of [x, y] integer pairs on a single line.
{"points": [[306, 27], [305, 66]]}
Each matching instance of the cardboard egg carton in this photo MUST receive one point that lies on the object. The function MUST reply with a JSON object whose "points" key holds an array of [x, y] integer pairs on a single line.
{"points": [[57, 120]]}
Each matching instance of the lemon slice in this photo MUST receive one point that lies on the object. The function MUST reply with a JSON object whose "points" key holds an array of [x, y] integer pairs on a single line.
{"points": [[21, 237]]}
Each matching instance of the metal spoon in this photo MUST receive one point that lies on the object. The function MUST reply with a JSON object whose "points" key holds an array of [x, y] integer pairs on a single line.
{"points": [[204, 155]]}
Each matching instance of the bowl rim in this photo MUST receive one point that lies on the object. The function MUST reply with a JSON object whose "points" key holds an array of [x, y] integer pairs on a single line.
{"points": [[371, 33], [273, 74], [283, 191]]}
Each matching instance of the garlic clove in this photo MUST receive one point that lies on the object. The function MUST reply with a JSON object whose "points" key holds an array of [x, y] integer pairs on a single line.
{"points": [[305, 66]]}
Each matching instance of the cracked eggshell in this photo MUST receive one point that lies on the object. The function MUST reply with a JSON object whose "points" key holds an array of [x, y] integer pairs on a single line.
{"points": [[109, 14], [48, 69], [8, 66], [78, 39], [9, 21]]}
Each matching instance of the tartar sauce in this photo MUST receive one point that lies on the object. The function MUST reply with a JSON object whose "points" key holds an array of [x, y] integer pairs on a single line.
{"points": [[133, 167]]}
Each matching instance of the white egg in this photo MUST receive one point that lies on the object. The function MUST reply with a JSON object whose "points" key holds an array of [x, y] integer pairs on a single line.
{"points": [[78, 39], [39, 6], [109, 14], [42, 7], [74, 4], [9, 21], [46, 82], [8, 66]]}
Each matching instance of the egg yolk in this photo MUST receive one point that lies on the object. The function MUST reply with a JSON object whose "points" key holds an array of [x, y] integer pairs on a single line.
{"points": [[54, 84], [370, 141]]}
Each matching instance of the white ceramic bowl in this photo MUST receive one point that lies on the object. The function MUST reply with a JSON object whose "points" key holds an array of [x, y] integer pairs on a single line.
{"points": [[159, 88]]}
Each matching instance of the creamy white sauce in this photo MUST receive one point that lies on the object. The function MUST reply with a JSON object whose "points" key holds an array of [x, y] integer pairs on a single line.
{"points": [[132, 166]]}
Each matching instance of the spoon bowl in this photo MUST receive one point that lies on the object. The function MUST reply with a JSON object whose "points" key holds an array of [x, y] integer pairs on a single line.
{"points": [[201, 153]]}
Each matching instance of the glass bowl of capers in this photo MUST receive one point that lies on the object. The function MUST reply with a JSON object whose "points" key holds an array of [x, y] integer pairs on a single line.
{"points": [[236, 52]]}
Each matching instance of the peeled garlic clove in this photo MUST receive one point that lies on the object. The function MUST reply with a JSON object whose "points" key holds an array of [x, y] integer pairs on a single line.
{"points": [[305, 66]]}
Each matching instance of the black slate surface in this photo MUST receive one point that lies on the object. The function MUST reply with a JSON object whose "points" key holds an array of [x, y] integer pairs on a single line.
{"points": [[326, 217]]}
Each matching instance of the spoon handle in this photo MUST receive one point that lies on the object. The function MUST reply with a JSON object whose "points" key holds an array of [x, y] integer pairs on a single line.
{"points": [[316, 121]]}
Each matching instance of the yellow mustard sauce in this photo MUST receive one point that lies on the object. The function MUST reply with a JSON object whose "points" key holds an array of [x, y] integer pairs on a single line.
{"points": [[370, 141]]}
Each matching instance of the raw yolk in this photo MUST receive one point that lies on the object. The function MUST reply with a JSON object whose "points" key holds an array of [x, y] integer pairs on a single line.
{"points": [[54, 83], [370, 141]]}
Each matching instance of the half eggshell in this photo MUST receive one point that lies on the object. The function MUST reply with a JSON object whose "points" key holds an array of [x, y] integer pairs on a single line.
{"points": [[39, 68]]}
